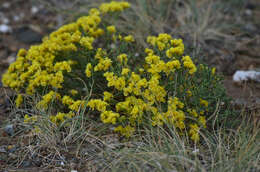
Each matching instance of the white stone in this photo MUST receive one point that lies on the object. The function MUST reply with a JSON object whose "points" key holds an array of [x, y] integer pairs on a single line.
{"points": [[240, 76], [34, 10], [5, 28], [6, 5]]}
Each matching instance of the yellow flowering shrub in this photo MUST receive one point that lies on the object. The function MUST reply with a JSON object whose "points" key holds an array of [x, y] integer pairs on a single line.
{"points": [[167, 87]]}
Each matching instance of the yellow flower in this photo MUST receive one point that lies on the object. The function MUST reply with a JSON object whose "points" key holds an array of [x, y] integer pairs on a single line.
{"points": [[127, 131], [103, 64], [194, 132], [109, 117], [97, 104], [88, 70], [125, 71], [122, 58], [19, 100], [111, 29], [129, 38], [193, 112], [204, 102], [187, 62], [189, 93], [94, 11], [28, 119], [213, 71], [47, 99], [113, 6], [73, 92], [65, 65], [66, 100], [202, 121], [76, 105], [107, 96], [87, 42]]}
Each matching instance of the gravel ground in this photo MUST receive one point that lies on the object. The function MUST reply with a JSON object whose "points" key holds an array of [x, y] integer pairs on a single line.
{"points": [[23, 24]]}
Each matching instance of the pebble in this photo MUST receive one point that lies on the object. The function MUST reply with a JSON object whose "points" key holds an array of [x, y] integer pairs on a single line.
{"points": [[34, 10], [248, 12], [26, 164], [27, 35], [2, 149], [9, 129], [5, 28], [6, 5], [62, 163], [240, 76]]}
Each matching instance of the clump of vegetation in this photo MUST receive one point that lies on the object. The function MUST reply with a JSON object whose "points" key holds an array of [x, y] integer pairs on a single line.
{"points": [[91, 66]]}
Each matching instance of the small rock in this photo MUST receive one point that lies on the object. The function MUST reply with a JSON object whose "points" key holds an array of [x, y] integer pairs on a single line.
{"points": [[62, 163], [5, 28], [27, 35], [240, 76], [73, 171], [26, 164], [3, 149], [34, 10], [248, 12], [6, 5], [9, 129], [10, 59]]}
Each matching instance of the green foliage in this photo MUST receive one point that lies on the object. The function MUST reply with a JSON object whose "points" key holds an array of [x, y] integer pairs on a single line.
{"points": [[88, 65]]}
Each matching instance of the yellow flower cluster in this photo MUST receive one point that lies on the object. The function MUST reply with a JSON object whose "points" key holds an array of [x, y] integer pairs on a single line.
{"points": [[194, 132], [107, 96], [41, 65], [204, 102], [88, 70], [177, 49], [111, 29], [28, 119], [122, 58], [127, 131], [174, 114], [129, 38], [187, 62], [162, 41], [123, 95], [73, 92], [97, 104], [109, 117], [47, 99], [113, 6], [61, 117], [19, 100], [103, 64]]}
